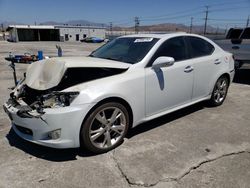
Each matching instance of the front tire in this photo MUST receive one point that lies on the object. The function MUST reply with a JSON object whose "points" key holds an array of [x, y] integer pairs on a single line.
{"points": [[219, 92], [105, 127]]}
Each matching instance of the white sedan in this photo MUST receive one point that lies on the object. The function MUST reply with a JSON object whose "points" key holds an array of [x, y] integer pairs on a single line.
{"points": [[92, 101]]}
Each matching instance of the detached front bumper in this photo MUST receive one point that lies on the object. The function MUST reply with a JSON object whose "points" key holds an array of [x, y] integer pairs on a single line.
{"points": [[65, 121]]}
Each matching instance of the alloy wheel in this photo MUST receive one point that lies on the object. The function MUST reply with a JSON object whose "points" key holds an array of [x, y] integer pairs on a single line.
{"points": [[107, 127], [220, 90]]}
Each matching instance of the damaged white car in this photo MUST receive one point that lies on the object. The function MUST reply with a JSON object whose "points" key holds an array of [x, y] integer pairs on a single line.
{"points": [[93, 101]]}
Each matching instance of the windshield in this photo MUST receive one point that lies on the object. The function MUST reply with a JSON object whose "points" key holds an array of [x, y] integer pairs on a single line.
{"points": [[129, 50]]}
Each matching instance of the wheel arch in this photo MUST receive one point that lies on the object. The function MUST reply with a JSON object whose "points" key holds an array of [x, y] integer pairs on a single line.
{"points": [[212, 101], [227, 75], [106, 100]]}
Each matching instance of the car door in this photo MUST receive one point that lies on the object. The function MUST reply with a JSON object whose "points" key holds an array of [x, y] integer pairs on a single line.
{"points": [[168, 87], [205, 64]]}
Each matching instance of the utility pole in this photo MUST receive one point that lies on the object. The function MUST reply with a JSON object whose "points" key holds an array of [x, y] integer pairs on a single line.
{"points": [[191, 25], [2, 27], [206, 18], [137, 23], [226, 29], [111, 28], [247, 22], [217, 30]]}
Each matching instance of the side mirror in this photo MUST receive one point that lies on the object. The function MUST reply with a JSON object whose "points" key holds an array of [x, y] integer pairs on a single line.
{"points": [[163, 61]]}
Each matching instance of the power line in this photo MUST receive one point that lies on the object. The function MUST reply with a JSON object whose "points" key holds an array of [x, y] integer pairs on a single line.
{"points": [[227, 9], [228, 3], [125, 23], [174, 17], [119, 21], [173, 13], [233, 23], [188, 13], [191, 10], [221, 19]]}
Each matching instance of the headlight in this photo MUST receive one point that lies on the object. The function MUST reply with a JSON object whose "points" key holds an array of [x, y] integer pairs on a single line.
{"points": [[59, 99]]}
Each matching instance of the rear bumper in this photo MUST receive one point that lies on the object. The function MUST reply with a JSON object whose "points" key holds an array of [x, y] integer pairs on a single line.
{"points": [[36, 129]]}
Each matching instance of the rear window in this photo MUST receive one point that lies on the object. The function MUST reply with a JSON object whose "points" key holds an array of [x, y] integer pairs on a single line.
{"points": [[246, 33], [200, 47]]}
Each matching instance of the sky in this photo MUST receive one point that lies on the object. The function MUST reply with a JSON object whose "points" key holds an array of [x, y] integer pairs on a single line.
{"points": [[221, 13]]}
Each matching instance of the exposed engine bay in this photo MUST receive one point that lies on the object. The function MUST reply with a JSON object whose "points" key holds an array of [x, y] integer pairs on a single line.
{"points": [[38, 100]]}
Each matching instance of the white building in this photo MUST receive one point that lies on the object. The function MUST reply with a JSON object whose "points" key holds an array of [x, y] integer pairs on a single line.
{"points": [[53, 33], [76, 33]]}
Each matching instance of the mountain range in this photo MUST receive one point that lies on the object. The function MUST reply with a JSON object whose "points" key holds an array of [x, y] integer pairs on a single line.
{"points": [[171, 27], [74, 22], [155, 27]]}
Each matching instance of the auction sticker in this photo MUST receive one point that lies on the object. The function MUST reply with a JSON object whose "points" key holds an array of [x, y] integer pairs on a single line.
{"points": [[143, 40]]}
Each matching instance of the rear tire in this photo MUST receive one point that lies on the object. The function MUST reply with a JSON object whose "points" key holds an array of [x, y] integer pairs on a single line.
{"points": [[238, 64], [219, 92], [105, 127]]}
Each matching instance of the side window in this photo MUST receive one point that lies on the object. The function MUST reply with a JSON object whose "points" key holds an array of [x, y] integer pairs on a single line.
{"points": [[200, 47], [174, 47]]}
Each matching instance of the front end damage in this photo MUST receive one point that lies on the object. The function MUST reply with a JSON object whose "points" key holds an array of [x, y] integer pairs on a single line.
{"points": [[32, 102], [53, 126], [41, 111]]}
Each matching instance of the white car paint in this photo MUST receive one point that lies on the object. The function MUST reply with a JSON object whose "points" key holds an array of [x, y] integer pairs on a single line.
{"points": [[167, 85], [150, 93]]}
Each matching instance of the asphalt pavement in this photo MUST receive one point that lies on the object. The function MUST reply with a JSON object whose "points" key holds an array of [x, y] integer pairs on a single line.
{"points": [[198, 146]]}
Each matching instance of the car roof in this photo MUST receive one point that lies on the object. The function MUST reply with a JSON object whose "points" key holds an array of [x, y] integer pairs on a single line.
{"points": [[165, 36], [161, 35]]}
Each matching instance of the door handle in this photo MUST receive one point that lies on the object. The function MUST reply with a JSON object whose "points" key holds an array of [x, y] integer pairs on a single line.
{"points": [[188, 69], [217, 62]]}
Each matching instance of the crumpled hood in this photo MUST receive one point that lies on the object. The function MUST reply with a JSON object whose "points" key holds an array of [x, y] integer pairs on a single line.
{"points": [[45, 74]]}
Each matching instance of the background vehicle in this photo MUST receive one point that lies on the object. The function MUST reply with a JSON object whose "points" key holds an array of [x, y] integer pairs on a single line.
{"points": [[92, 40], [93, 101], [238, 43]]}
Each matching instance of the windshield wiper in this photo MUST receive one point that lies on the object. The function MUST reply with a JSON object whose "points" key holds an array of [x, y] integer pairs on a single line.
{"points": [[110, 58], [113, 59], [118, 59]]}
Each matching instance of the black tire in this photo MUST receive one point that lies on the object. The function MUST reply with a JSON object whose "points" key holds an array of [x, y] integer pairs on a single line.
{"points": [[218, 99], [238, 64], [93, 121]]}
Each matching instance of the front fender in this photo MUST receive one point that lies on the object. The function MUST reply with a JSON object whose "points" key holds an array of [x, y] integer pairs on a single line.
{"points": [[128, 86]]}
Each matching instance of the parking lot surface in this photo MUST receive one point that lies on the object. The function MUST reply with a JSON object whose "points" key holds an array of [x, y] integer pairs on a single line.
{"points": [[197, 146]]}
